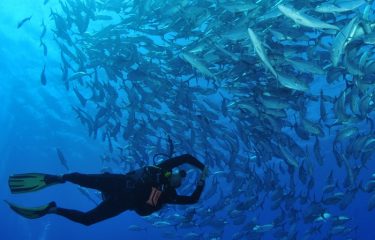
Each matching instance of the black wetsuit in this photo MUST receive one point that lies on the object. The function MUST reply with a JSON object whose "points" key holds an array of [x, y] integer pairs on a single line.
{"points": [[145, 191]]}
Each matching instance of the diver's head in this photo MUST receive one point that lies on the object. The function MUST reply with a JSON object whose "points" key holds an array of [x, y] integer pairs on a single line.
{"points": [[175, 179]]}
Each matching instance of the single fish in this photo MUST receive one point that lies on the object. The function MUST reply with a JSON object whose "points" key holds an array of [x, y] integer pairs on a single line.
{"points": [[136, 228], [339, 220], [78, 75], [369, 145], [329, 188], [43, 78], [312, 127], [322, 108], [86, 193], [274, 103], [341, 40], [338, 156], [305, 20], [305, 66], [302, 173], [197, 63], [333, 199], [339, 6], [44, 30], [346, 133], [23, 21], [292, 82], [288, 157], [258, 47], [103, 17], [170, 147], [318, 156], [45, 50], [110, 146], [62, 158], [160, 224], [263, 228]]}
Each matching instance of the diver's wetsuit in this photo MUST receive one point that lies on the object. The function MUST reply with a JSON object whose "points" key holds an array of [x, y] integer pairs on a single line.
{"points": [[145, 191]]}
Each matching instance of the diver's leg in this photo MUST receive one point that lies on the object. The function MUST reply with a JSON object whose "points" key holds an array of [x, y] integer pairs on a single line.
{"points": [[106, 182], [104, 210]]}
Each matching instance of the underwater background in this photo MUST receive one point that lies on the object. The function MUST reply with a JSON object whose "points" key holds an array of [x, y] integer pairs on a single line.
{"points": [[125, 80]]}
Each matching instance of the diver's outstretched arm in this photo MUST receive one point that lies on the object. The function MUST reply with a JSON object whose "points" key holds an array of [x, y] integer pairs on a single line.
{"points": [[177, 161]]}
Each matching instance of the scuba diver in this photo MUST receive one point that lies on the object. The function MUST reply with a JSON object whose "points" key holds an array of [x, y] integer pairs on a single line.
{"points": [[145, 190]]}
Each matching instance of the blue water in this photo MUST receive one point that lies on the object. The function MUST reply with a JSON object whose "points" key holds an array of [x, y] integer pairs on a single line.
{"points": [[36, 119]]}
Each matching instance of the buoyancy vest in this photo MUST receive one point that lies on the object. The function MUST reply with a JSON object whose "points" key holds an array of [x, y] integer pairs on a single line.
{"points": [[151, 184], [150, 174]]}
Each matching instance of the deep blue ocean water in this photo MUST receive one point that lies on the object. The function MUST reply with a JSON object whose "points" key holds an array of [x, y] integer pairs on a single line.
{"points": [[36, 119]]}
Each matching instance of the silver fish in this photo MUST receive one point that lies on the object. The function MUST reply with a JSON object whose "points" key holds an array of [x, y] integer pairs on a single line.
{"points": [[346, 133], [288, 157], [292, 82], [305, 20], [197, 63], [43, 78], [263, 228], [306, 66], [258, 47], [23, 21], [339, 6], [341, 40]]}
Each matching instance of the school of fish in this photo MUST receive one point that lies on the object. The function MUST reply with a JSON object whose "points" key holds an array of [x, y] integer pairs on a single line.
{"points": [[277, 97]]}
